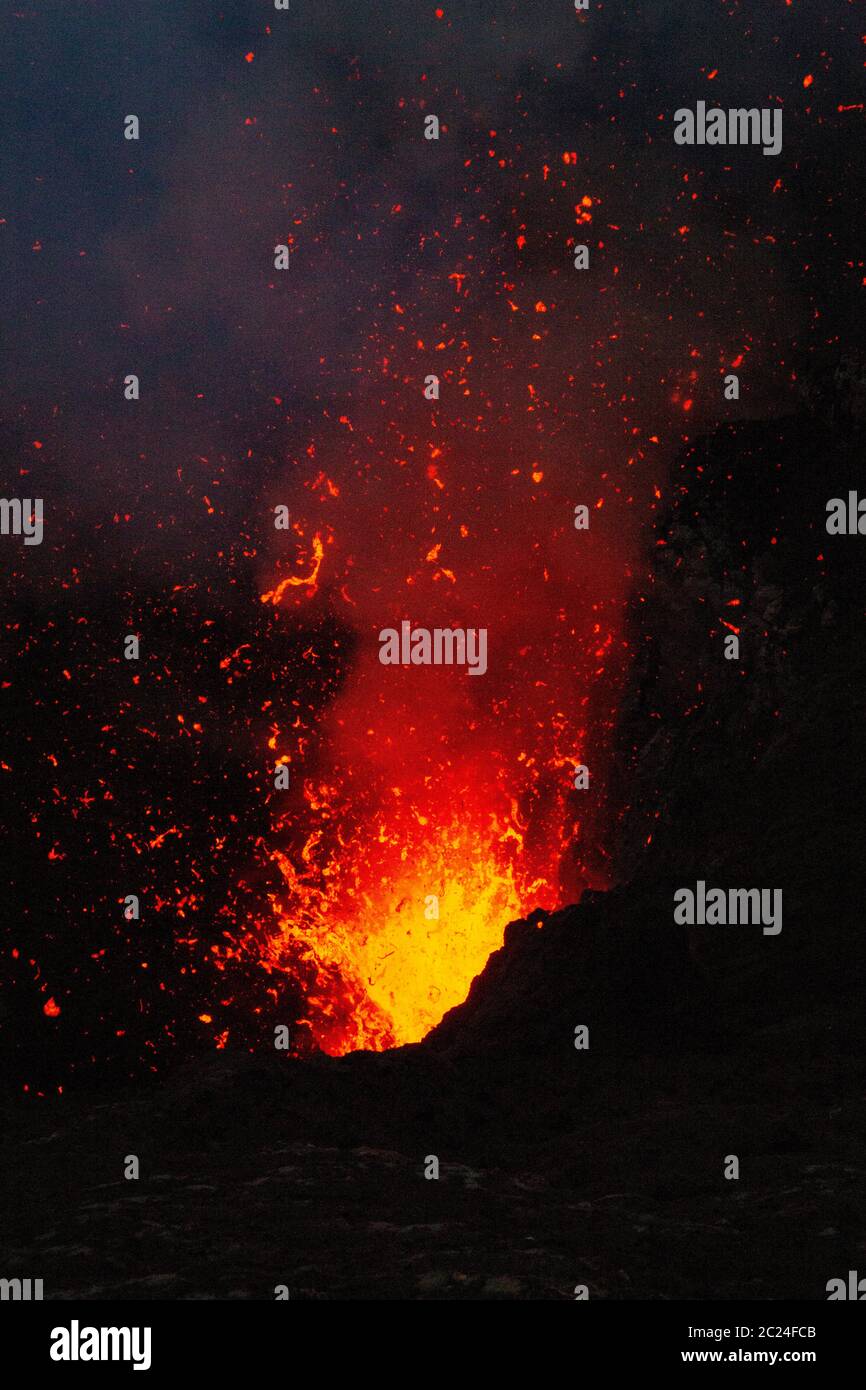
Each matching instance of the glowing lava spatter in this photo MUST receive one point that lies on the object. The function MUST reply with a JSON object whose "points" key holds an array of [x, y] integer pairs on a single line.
{"points": [[427, 809], [396, 909]]}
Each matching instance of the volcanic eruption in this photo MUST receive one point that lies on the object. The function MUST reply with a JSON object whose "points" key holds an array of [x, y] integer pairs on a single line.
{"points": [[426, 809]]}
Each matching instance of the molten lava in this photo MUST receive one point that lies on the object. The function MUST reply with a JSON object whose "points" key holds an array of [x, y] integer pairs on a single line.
{"points": [[426, 809], [391, 923]]}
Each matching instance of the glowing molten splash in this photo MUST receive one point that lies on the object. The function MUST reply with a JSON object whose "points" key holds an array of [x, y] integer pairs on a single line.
{"points": [[426, 808], [392, 929]]}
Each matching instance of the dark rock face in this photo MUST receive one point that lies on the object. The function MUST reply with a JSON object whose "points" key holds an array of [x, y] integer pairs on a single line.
{"points": [[562, 1166], [580, 966], [752, 772]]}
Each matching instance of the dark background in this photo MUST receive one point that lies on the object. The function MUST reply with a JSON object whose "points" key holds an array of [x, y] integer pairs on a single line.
{"points": [[156, 258]]}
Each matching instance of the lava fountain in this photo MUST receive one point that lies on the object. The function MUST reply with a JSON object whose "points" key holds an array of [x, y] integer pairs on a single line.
{"points": [[428, 808]]}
